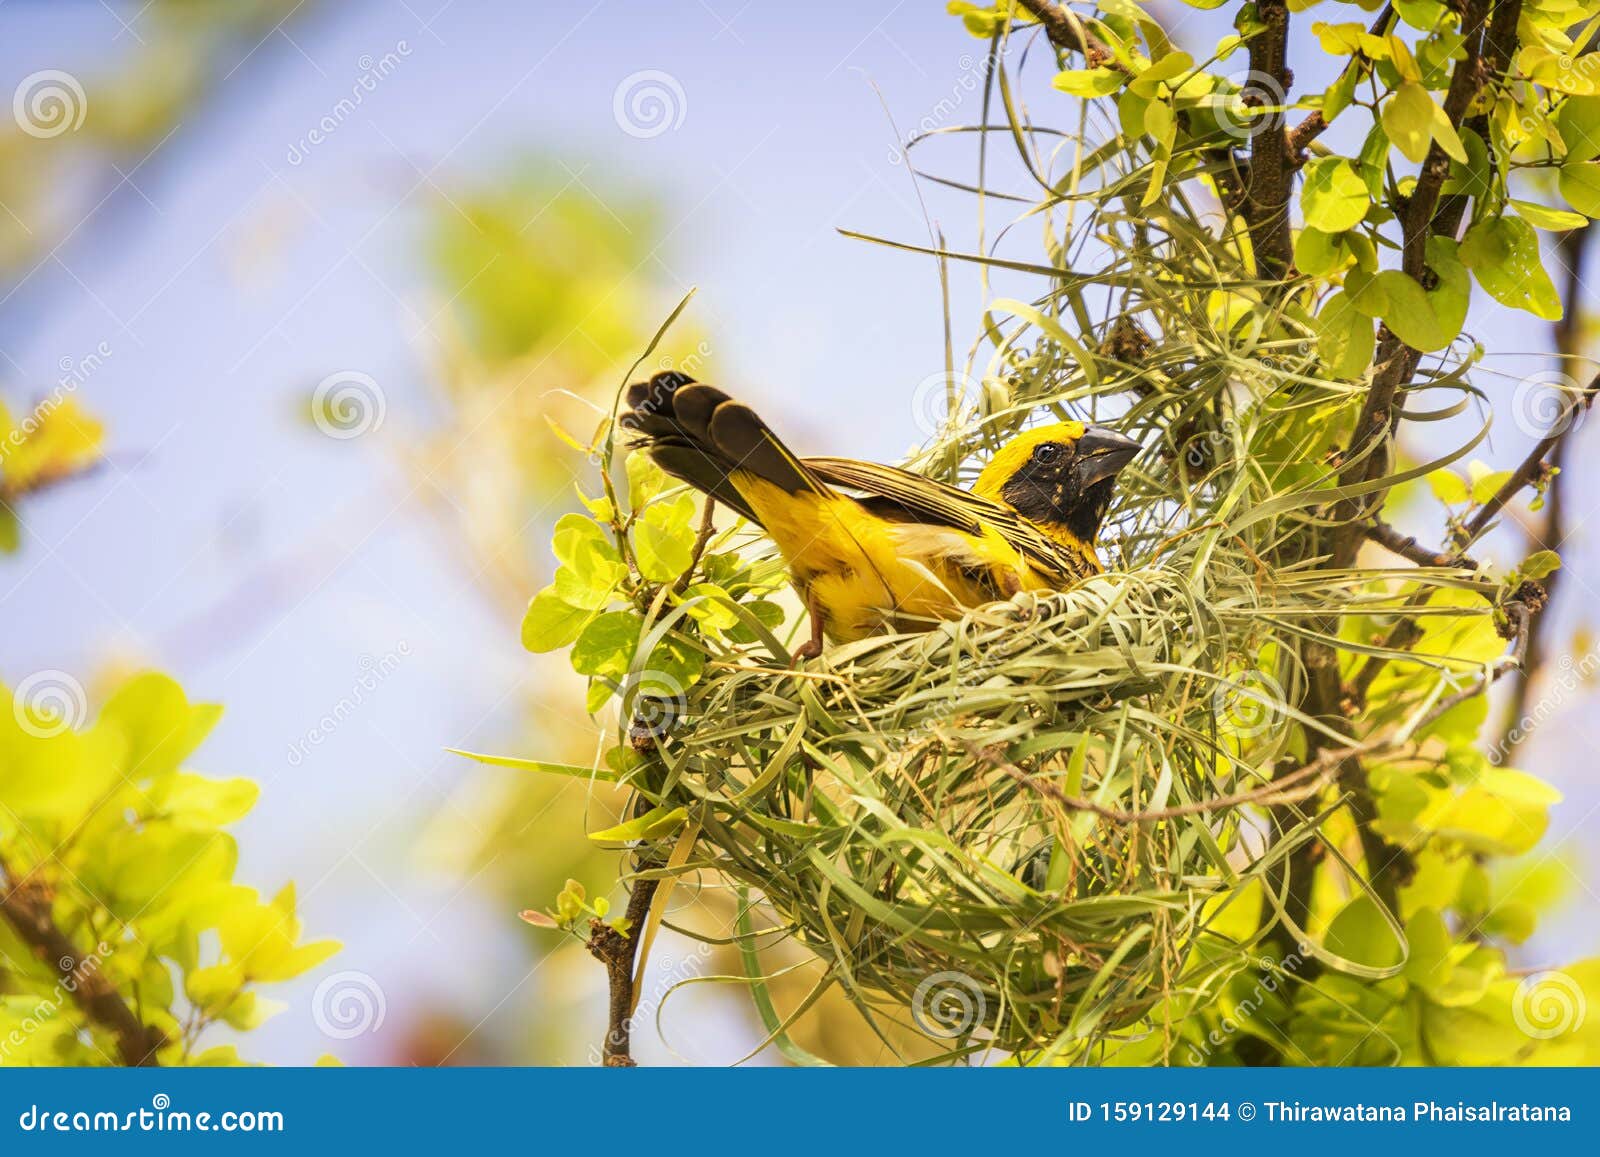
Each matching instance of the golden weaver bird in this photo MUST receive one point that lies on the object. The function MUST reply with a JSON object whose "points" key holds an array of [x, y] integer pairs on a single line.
{"points": [[875, 548]]}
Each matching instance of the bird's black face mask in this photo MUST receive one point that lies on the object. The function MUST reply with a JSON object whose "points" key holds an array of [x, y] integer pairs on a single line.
{"points": [[1069, 483]]}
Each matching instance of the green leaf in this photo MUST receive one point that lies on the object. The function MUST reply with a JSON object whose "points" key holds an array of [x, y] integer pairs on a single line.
{"points": [[1578, 123], [663, 539], [1547, 218], [1366, 293], [1540, 564], [1340, 93], [1339, 39], [591, 569], [606, 646], [1088, 82], [1445, 133], [645, 480], [1449, 487], [1360, 934], [1422, 15], [550, 623], [1505, 813], [1408, 119], [672, 667], [1171, 66], [1334, 197], [655, 824], [1580, 185], [1486, 483], [1344, 337], [572, 770], [577, 537], [1318, 253], [1503, 253], [1428, 320]]}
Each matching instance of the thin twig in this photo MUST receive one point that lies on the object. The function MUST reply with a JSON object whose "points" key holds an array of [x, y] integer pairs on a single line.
{"points": [[1551, 535], [616, 950], [1408, 548], [1315, 124], [707, 529], [1532, 467], [1488, 54]]}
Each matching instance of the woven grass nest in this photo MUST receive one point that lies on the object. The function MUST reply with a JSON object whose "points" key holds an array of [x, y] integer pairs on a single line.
{"points": [[1018, 829], [1008, 825], [1022, 828]]}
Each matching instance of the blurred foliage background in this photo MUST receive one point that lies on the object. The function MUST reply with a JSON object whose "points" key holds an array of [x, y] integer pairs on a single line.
{"points": [[299, 301]]}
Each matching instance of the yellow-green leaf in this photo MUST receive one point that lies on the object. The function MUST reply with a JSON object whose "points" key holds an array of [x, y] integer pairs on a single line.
{"points": [[1408, 119]]}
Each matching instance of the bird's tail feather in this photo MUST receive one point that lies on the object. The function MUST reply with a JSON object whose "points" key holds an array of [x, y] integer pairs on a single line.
{"points": [[699, 434]]}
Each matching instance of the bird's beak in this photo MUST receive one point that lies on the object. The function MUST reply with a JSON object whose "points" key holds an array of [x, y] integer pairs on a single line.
{"points": [[1101, 453]]}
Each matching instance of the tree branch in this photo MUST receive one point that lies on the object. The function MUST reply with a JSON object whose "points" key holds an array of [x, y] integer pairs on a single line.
{"points": [[1574, 250], [1408, 548], [1271, 173], [1070, 33], [1315, 124], [1532, 467], [26, 905], [616, 950], [1367, 458]]}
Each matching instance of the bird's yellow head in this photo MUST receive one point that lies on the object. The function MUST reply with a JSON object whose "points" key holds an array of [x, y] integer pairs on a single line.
{"points": [[1059, 476]]}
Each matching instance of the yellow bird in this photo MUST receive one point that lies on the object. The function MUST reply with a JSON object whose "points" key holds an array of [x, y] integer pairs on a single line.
{"points": [[875, 548]]}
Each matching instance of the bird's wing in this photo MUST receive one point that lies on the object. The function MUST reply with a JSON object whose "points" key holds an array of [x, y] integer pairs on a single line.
{"points": [[903, 496]]}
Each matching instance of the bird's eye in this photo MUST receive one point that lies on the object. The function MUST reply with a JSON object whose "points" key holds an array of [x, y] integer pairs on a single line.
{"points": [[1048, 452]]}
